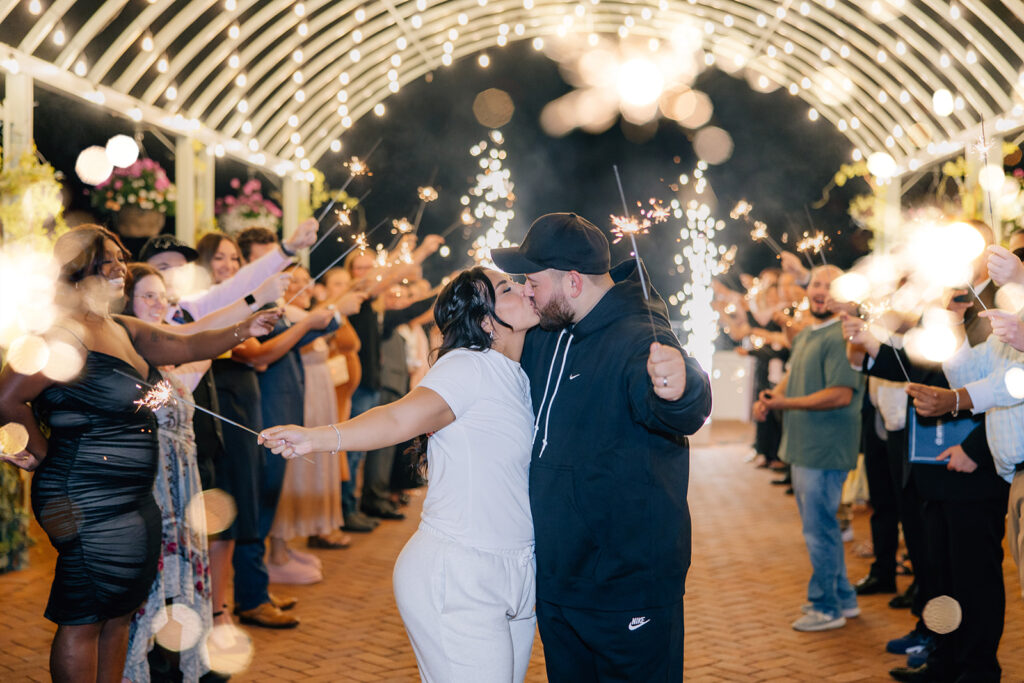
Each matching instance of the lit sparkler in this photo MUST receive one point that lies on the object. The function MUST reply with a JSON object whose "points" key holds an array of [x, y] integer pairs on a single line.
{"points": [[427, 194], [658, 213], [814, 244], [357, 167], [360, 243], [741, 210], [626, 226], [401, 226], [760, 234], [629, 226], [159, 395]]}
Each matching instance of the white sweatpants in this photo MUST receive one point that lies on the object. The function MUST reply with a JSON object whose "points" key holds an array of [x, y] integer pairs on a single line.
{"points": [[469, 613]]}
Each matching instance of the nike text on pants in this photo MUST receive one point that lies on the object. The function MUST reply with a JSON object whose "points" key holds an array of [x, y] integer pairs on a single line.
{"points": [[469, 613], [592, 645]]}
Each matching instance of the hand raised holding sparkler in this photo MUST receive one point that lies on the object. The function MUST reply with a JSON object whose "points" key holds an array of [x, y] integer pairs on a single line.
{"points": [[292, 441], [1004, 267], [1007, 327], [304, 236], [260, 323]]}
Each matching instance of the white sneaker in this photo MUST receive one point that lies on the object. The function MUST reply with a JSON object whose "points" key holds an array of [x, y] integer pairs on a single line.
{"points": [[847, 534], [849, 612], [814, 620], [293, 572]]}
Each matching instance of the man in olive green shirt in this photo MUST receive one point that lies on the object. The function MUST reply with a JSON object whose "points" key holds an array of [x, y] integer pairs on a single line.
{"points": [[821, 398]]}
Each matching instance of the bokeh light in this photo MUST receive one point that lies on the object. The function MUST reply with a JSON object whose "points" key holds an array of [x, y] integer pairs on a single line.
{"points": [[182, 628], [28, 354], [213, 510], [942, 614], [493, 108], [13, 438]]}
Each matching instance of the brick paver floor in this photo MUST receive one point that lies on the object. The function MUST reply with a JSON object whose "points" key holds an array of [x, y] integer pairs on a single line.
{"points": [[745, 587]]}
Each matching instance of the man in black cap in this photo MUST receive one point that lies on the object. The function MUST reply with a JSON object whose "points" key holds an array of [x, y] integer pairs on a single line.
{"points": [[614, 398]]}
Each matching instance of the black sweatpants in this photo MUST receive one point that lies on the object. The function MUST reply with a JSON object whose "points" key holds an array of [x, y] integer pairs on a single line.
{"points": [[595, 645]]}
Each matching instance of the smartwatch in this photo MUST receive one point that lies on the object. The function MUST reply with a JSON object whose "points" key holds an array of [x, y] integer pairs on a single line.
{"points": [[250, 301]]}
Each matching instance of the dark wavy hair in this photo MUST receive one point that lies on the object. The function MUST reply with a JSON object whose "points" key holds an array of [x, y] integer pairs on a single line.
{"points": [[80, 251], [136, 272], [461, 308], [459, 312]]}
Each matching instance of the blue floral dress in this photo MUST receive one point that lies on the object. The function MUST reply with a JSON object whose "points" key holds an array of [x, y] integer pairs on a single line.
{"points": [[181, 590]]}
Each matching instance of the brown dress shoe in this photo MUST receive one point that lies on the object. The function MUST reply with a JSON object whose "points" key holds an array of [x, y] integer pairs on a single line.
{"points": [[267, 616], [282, 603]]}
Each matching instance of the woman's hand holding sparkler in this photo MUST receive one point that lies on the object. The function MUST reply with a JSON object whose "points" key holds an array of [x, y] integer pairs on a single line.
{"points": [[261, 323], [348, 303], [1007, 327], [305, 236], [1004, 267], [272, 289], [292, 441], [667, 371], [856, 332]]}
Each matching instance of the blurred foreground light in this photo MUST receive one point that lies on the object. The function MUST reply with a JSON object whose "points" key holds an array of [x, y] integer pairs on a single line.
{"points": [[1010, 297], [213, 509], [13, 438], [639, 82], [182, 628], [850, 287], [28, 354], [93, 165], [231, 649], [445, 251], [65, 362], [1014, 380], [932, 343], [991, 178], [122, 151], [942, 614], [713, 144], [882, 165], [493, 108]]}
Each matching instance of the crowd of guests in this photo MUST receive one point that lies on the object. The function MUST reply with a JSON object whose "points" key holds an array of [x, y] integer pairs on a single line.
{"points": [[262, 345], [850, 388]]}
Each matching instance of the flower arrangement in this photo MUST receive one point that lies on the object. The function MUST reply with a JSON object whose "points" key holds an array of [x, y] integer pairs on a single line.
{"points": [[30, 199], [144, 185], [246, 210]]}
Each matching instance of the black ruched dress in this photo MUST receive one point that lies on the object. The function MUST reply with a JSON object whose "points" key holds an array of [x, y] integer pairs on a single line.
{"points": [[93, 493]]}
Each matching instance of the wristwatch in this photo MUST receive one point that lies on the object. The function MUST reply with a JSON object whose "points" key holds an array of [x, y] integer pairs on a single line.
{"points": [[287, 252], [250, 301]]}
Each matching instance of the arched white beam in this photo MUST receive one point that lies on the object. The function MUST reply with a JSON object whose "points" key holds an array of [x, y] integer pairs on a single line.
{"points": [[44, 24], [78, 40], [162, 40], [146, 18], [203, 39]]}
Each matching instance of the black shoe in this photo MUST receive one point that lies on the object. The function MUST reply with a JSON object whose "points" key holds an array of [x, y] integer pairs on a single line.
{"points": [[872, 585], [358, 523], [384, 514], [904, 600], [921, 674], [785, 481], [789, 491]]}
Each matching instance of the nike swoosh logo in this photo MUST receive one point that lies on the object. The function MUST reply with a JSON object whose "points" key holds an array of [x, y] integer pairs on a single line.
{"points": [[638, 622], [572, 377]]}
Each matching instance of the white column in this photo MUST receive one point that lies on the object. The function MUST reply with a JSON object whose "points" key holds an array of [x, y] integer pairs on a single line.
{"points": [[290, 205], [18, 111], [205, 190], [185, 182], [891, 214]]}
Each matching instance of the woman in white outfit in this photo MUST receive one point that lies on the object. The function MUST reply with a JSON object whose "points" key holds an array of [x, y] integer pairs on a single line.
{"points": [[464, 583]]}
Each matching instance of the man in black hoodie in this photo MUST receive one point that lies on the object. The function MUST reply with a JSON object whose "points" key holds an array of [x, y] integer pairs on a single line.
{"points": [[614, 399]]}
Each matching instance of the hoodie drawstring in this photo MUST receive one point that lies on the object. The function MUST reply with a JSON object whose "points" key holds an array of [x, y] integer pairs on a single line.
{"points": [[558, 382], [540, 410]]}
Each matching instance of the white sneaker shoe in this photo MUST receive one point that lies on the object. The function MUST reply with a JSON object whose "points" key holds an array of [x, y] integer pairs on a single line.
{"points": [[849, 612], [847, 534], [817, 621]]}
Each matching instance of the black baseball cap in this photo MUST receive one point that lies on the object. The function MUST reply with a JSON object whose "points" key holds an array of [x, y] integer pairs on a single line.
{"points": [[161, 243], [563, 241]]}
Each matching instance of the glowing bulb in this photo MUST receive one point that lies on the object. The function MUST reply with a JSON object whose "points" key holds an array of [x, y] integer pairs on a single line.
{"points": [[942, 102], [378, 109], [335, 145], [35, 7], [484, 61], [147, 42], [882, 165], [80, 68], [122, 151]]}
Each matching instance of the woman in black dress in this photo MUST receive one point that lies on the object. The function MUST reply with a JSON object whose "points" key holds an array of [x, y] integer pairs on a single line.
{"points": [[92, 489]]}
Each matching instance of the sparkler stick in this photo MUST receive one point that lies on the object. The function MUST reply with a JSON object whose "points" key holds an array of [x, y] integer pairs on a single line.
{"points": [[360, 243], [971, 287], [810, 222], [983, 146], [631, 226], [873, 315], [324, 211], [461, 222], [426, 194], [159, 395]]}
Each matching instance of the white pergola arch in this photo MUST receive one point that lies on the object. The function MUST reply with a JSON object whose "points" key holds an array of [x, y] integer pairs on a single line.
{"points": [[884, 60]]}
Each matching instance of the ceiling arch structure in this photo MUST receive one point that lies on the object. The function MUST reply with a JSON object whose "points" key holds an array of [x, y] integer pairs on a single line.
{"points": [[275, 82]]}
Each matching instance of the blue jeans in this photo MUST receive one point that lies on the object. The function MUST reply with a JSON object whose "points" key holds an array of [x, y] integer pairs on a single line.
{"points": [[362, 400], [818, 493]]}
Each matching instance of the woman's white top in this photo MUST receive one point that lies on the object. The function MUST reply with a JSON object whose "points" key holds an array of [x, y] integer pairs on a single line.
{"points": [[479, 465]]}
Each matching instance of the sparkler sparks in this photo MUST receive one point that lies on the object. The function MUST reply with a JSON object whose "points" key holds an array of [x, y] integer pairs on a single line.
{"points": [[658, 213], [741, 210], [629, 226], [159, 395], [357, 167], [427, 194], [815, 244], [401, 226]]}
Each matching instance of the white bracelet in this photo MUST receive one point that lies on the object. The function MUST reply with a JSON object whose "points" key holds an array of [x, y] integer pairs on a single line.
{"points": [[956, 409], [338, 432]]}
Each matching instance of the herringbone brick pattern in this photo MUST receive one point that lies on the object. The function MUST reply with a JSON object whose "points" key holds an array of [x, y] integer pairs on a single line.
{"points": [[745, 588]]}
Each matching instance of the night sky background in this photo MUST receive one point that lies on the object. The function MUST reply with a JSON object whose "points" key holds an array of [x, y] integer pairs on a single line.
{"points": [[781, 161]]}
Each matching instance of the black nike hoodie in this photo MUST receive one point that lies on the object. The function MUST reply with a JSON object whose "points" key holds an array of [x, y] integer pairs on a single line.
{"points": [[610, 466]]}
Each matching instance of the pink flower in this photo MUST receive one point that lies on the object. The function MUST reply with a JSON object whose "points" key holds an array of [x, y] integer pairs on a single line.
{"points": [[236, 183], [251, 186], [118, 184]]}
